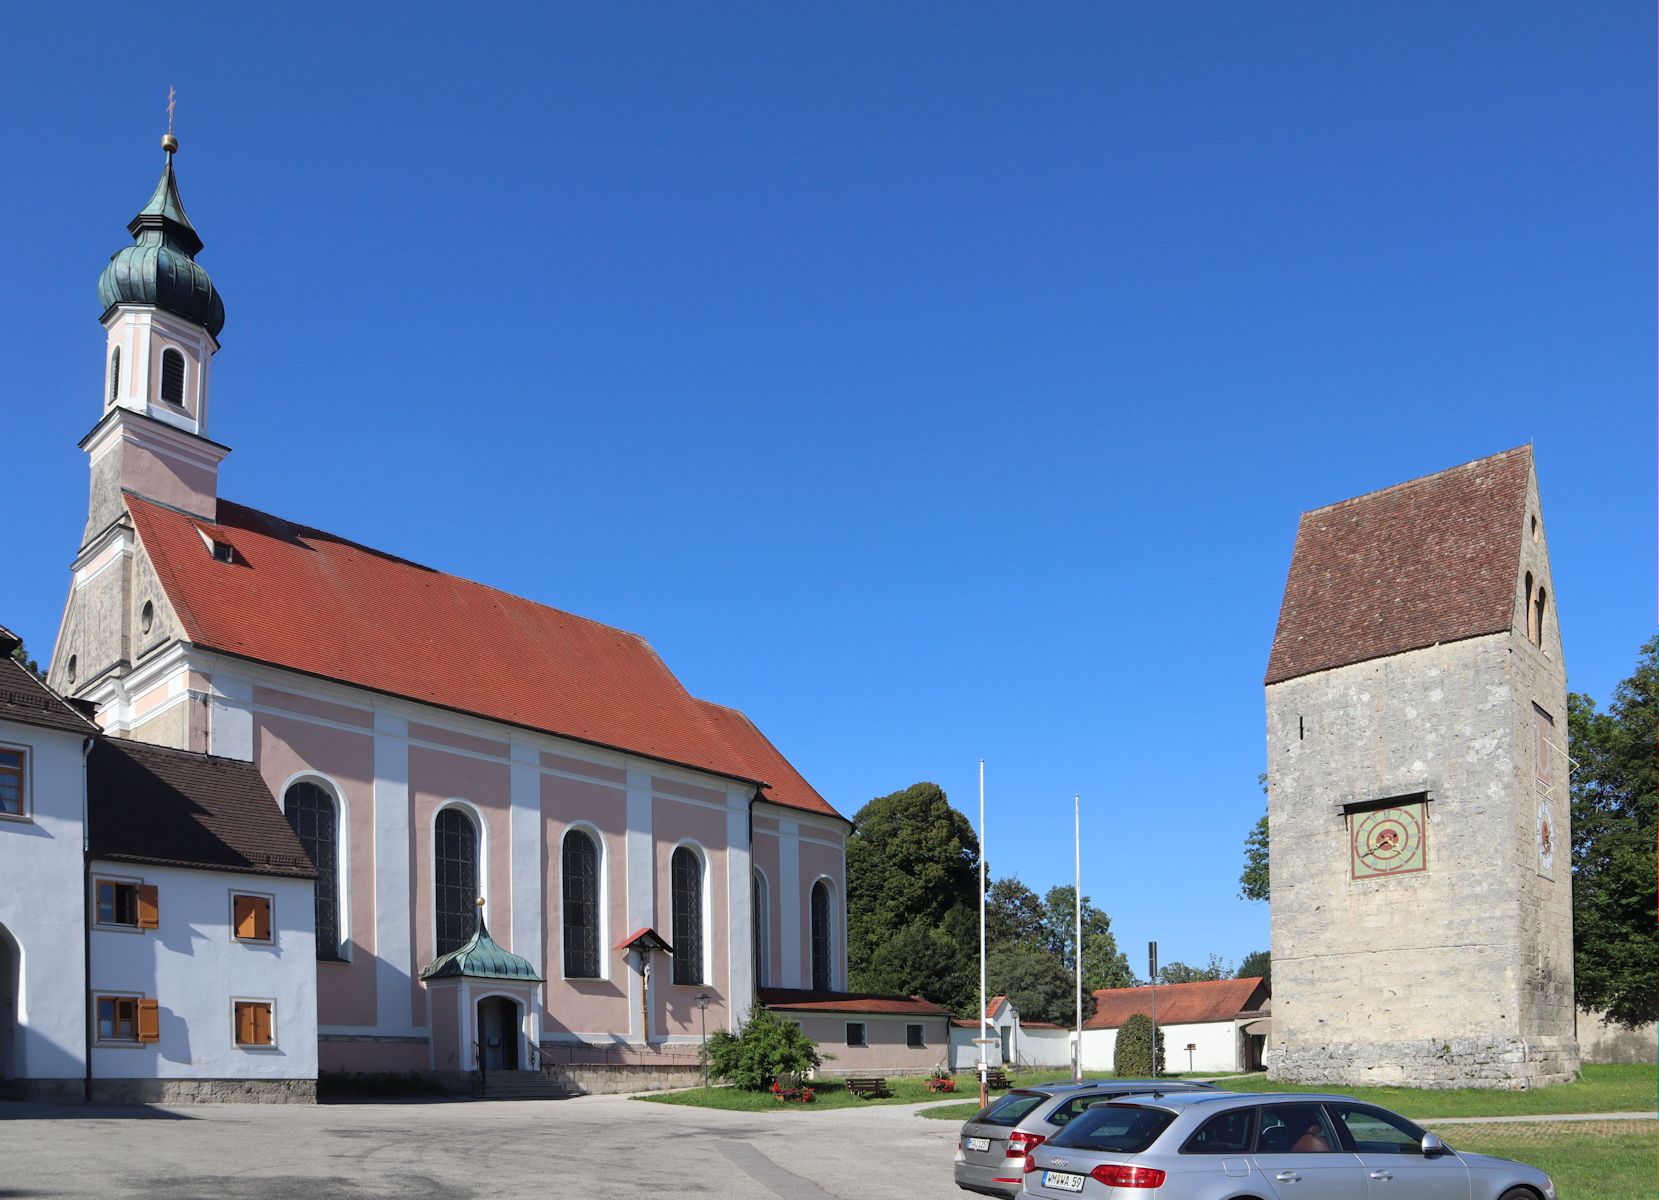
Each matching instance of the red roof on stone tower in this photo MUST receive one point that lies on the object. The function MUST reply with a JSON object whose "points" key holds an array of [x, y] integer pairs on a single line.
{"points": [[310, 601], [1423, 562]]}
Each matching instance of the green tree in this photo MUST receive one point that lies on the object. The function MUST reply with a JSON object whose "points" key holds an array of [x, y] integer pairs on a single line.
{"points": [[1257, 962], [1615, 814], [1132, 1055], [1254, 880], [1180, 972], [912, 858], [1014, 916], [21, 654], [1104, 965], [767, 1046], [1034, 981], [938, 961]]}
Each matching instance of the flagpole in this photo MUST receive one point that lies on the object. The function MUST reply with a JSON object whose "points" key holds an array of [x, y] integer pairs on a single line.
{"points": [[984, 1065], [1077, 897]]}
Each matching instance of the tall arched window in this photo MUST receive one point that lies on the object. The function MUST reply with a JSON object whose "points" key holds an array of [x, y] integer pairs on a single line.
{"points": [[454, 878], [315, 821], [172, 376], [1538, 618], [822, 954], [762, 932], [686, 883], [1532, 629], [581, 905], [114, 374]]}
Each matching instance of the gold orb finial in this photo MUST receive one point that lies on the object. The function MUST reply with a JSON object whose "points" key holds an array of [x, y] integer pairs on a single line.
{"points": [[479, 902], [169, 143]]}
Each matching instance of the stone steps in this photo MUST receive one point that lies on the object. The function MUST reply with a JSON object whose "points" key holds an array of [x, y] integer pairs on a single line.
{"points": [[521, 1085]]}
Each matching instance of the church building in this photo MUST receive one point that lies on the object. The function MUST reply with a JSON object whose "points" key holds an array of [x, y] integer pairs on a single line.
{"points": [[1418, 817], [446, 754]]}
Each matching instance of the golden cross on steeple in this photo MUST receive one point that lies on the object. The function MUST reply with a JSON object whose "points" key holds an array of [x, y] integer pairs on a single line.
{"points": [[169, 143]]}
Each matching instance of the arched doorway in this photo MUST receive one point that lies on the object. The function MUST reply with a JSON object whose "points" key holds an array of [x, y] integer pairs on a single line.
{"points": [[498, 1033], [11, 973]]}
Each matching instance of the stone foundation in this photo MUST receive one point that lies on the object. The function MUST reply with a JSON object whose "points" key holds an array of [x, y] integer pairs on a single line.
{"points": [[44, 1091], [1500, 1063], [610, 1079], [204, 1091]]}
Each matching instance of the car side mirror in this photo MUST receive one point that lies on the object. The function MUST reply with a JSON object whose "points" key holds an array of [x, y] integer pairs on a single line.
{"points": [[1432, 1145]]}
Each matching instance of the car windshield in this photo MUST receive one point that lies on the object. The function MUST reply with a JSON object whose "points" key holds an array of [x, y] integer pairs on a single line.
{"points": [[1012, 1108], [1115, 1128]]}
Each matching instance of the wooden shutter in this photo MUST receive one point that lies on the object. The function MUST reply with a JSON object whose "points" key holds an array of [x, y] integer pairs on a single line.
{"points": [[253, 918], [148, 910], [149, 1021], [261, 1024]]}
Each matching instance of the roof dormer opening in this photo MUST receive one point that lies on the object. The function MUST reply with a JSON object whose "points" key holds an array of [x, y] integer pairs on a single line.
{"points": [[222, 551]]}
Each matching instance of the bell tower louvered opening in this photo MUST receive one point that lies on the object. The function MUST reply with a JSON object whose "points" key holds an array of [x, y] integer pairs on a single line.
{"points": [[172, 377]]}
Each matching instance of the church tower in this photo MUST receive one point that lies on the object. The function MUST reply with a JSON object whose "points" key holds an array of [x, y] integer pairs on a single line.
{"points": [[1417, 791], [162, 317]]}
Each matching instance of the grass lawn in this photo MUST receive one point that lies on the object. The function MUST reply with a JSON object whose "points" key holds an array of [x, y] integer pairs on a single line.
{"points": [[1589, 1160], [832, 1093], [1604, 1088]]}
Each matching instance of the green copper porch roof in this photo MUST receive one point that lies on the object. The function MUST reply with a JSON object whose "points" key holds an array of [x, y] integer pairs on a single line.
{"points": [[160, 267], [481, 958]]}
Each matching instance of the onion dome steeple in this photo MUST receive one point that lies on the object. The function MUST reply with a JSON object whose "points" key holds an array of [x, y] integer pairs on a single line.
{"points": [[160, 268]]}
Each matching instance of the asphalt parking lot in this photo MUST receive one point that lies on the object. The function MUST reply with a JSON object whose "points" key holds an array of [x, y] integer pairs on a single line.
{"points": [[588, 1146]]}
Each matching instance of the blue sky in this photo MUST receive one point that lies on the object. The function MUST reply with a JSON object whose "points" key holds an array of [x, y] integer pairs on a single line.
{"points": [[934, 382]]}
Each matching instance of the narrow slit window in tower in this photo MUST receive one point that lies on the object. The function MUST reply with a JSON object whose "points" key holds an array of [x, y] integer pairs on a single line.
{"points": [[172, 377]]}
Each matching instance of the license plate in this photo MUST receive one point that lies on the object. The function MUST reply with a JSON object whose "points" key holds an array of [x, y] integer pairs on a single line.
{"points": [[979, 1143], [1063, 1181]]}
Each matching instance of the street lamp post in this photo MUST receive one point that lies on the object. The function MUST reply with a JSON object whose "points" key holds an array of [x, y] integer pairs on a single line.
{"points": [[703, 1012]]}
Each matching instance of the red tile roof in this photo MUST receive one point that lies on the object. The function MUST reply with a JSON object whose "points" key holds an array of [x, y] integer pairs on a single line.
{"points": [[299, 598], [993, 1004], [1178, 1003], [1428, 561], [801, 1000]]}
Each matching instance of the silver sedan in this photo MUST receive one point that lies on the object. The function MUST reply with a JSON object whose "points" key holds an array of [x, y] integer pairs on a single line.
{"points": [[1266, 1146]]}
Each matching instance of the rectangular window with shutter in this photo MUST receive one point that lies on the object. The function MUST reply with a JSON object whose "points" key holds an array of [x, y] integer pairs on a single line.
{"points": [[117, 903], [14, 791], [250, 917], [127, 1020], [254, 1023]]}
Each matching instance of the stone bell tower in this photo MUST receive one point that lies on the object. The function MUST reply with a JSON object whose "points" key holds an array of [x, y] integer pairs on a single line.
{"points": [[162, 317], [1417, 805]]}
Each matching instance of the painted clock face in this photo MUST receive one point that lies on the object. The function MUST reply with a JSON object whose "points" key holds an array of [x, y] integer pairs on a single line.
{"points": [[1388, 841], [1546, 838]]}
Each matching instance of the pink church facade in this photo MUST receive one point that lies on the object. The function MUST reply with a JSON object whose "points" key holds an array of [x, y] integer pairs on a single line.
{"points": [[435, 743]]}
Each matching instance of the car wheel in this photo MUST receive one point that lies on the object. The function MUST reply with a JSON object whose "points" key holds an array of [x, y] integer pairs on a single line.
{"points": [[1520, 1193]]}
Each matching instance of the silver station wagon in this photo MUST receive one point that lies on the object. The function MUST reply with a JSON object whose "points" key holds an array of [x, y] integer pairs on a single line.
{"points": [[990, 1153], [1267, 1146]]}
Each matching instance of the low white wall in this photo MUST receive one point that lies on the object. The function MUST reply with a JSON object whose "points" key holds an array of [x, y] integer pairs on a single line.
{"points": [[1045, 1047], [192, 966], [1602, 1043], [1217, 1050], [40, 863]]}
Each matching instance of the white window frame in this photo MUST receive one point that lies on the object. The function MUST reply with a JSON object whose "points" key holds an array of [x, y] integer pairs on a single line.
{"points": [[25, 798], [133, 881], [98, 1039], [270, 900], [476, 815], [604, 901], [342, 854], [274, 1044], [921, 1035], [863, 1042]]}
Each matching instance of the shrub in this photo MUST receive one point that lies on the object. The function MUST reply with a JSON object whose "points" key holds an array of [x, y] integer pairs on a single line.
{"points": [[1132, 1057], [766, 1047]]}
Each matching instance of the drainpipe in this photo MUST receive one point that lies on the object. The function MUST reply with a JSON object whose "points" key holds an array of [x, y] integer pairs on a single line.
{"points": [[91, 1016]]}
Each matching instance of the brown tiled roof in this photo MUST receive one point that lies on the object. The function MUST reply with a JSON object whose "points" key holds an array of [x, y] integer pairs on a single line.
{"points": [[1428, 561], [1178, 1003], [309, 601], [28, 701], [158, 805], [803, 1000], [761, 760]]}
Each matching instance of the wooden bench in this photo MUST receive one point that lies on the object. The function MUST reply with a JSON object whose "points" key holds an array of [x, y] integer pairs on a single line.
{"points": [[996, 1080], [868, 1087]]}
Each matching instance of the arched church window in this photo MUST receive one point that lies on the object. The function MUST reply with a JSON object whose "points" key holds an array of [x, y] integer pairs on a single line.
{"points": [[114, 374], [762, 932], [1538, 607], [454, 878], [686, 884], [315, 821], [822, 958], [581, 905], [1532, 629], [172, 376]]}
